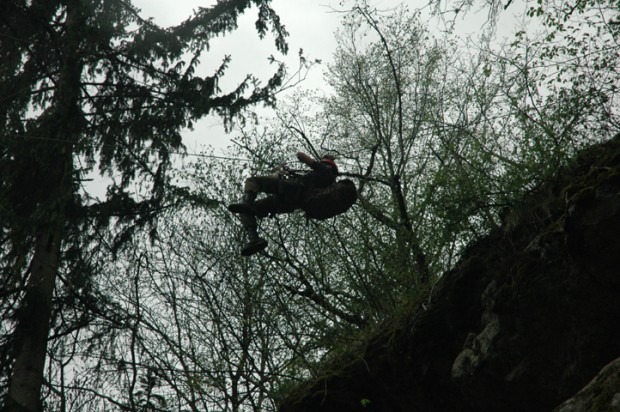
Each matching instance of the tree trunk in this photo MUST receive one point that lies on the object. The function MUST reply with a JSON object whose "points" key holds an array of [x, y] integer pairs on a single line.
{"points": [[53, 166], [33, 324]]}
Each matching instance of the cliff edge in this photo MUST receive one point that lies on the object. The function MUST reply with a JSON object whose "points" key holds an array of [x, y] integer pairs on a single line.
{"points": [[529, 320]]}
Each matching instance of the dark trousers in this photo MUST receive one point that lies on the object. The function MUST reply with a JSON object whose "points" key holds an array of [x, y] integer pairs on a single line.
{"points": [[285, 196]]}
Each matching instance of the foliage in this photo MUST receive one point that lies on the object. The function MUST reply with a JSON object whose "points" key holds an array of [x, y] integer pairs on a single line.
{"points": [[92, 87], [442, 136]]}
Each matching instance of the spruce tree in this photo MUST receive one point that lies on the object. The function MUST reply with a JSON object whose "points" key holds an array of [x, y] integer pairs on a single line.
{"points": [[88, 85]]}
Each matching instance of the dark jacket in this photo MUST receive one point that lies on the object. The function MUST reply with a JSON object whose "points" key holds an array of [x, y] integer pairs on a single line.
{"points": [[322, 175]]}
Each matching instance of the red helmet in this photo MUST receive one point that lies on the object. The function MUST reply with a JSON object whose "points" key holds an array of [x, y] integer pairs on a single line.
{"points": [[329, 161]]}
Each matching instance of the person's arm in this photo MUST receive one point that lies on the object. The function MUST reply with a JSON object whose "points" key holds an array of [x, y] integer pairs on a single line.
{"points": [[304, 158]]}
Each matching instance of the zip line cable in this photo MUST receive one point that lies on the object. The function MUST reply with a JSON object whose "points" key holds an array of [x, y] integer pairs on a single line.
{"points": [[211, 156], [203, 155], [200, 155]]}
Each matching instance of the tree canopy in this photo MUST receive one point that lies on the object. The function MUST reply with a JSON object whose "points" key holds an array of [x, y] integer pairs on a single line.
{"points": [[91, 86], [442, 135]]}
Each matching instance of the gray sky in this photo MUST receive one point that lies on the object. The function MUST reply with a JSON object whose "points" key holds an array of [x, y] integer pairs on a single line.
{"points": [[311, 24]]}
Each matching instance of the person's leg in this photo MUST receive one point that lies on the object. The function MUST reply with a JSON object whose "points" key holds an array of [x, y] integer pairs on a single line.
{"points": [[255, 243], [288, 198], [264, 184], [262, 208], [248, 211], [254, 185], [285, 199]]}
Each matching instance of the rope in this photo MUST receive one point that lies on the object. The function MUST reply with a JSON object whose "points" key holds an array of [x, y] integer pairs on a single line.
{"points": [[211, 156], [194, 154]]}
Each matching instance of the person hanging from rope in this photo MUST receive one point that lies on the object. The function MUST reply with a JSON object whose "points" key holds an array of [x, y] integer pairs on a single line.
{"points": [[316, 192]]}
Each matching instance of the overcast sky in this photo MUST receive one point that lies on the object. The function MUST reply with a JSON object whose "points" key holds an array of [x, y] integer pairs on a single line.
{"points": [[311, 24]]}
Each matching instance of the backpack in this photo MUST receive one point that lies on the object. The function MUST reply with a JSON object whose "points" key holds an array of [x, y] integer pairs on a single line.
{"points": [[329, 201]]}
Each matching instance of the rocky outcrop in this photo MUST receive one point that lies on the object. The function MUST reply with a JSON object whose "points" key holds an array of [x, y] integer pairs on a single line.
{"points": [[601, 394], [529, 320]]}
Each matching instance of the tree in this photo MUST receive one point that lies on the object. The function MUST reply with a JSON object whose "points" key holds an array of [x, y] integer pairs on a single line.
{"points": [[441, 134], [191, 325], [449, 126], [436, 134], [85, 84], [443, 137], [461, 130]]}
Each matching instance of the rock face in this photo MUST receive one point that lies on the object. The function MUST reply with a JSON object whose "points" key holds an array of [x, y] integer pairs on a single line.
{"points": [[529, 320]]}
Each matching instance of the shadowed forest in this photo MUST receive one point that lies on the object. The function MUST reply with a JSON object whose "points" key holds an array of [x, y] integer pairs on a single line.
{"points": [[487, 179]]}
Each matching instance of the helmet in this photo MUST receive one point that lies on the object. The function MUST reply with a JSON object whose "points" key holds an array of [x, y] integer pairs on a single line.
{"points": [[328, 159]]}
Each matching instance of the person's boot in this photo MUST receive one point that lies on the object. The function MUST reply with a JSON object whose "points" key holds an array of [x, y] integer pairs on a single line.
{"points": [[255, 243], [246, 206]]}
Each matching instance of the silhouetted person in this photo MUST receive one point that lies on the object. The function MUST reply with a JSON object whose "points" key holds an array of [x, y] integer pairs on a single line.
{"points": [[285, 195]]}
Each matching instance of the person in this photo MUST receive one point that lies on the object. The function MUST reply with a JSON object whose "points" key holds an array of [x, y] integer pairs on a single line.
{"points": [[285, 195]]}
